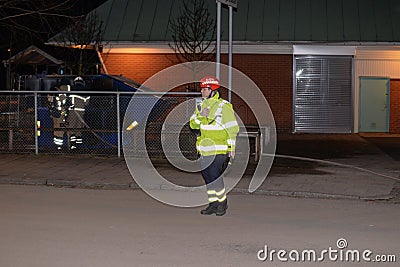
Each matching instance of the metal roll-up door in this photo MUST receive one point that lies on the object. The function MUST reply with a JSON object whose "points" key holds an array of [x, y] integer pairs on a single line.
{"points": [[323, 94]]}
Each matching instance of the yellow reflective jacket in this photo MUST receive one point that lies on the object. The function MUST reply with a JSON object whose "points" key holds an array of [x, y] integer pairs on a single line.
{"points": [[218, 129]]}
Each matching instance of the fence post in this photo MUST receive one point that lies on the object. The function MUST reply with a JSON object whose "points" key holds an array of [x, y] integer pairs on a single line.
{"points": [[10, 139], [36, 126], [118, 125]]}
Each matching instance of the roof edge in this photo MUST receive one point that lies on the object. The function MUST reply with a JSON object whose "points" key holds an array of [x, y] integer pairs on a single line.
{"points": [[164, 48], [247, 47], [35, 49]]}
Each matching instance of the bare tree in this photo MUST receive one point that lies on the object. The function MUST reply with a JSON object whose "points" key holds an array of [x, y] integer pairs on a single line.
{"points": [[193, 31], [85, 34], [23, 22], [23, 19]]}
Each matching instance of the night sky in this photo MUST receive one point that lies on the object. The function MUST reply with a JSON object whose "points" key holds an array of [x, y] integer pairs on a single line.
{"points": [[18, 43]]}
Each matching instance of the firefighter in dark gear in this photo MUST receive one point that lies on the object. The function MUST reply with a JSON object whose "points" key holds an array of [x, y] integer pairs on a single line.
{"points": [[59, 105], [76, 111], [215, 119]]}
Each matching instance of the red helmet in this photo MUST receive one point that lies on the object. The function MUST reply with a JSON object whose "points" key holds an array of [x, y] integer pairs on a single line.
{"points": [[210, 82]]}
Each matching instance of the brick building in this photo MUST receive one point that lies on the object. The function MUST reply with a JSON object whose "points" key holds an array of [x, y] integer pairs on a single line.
{"points": [[325, 66]]}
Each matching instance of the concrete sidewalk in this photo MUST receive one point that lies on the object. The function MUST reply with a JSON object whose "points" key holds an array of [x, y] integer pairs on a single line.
{"points": [[369, 173]]}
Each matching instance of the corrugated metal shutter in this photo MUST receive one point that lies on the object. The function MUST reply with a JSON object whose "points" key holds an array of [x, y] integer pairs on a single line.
{"points": [[323, 94]]}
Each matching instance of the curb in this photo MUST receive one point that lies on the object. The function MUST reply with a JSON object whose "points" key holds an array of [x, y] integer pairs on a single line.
{"points": [[300, 194], [26, 181], [134, 186], [85, 184]]}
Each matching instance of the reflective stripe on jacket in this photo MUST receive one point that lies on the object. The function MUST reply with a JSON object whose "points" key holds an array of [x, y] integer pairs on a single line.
{"points": [[218, 130]]}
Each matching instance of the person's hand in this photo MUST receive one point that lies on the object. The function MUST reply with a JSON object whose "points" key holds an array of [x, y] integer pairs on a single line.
{"points": [[205, 112], [231, 154]]}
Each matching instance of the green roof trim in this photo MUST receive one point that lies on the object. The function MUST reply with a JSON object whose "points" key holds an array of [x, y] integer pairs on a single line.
{"points": [[324, 21]]}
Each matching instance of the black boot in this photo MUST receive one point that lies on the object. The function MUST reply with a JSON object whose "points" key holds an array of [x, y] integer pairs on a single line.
{"points": [[211, 209], [221, 208]]}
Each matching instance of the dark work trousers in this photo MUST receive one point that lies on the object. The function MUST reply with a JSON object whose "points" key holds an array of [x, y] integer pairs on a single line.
{"points": [[212, 168]]}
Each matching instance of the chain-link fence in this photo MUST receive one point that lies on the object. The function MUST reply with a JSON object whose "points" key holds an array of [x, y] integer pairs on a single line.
{"points": [[93, 122]]}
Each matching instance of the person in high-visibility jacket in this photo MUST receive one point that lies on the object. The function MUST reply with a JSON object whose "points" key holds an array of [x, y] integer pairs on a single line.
{"points": [[215, 119]]}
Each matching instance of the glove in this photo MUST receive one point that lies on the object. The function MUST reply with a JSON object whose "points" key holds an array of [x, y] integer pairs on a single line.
{"points": [[205, 112]]}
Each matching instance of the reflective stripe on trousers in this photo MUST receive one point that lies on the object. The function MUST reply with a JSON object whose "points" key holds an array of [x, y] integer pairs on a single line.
{"points": [[212, 168], [214, 196]]}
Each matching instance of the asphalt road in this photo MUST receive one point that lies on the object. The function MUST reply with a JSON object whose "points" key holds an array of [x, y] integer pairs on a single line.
{"points": [[47, 226]]}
